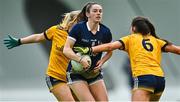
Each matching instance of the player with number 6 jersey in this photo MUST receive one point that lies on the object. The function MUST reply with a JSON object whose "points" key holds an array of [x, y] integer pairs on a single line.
{"points": [[144, 49], [145, 53]]}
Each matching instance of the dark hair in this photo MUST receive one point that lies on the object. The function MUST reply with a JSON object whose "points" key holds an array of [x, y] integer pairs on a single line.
{"points": [[82, 15], [152, 28], [144, 26]]}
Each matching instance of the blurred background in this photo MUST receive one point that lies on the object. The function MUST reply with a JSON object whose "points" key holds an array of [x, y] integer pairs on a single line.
{"points": [[22, 69]]}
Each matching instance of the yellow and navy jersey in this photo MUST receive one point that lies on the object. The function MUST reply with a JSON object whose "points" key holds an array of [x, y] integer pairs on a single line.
{"points": [[57, 61], [144, 53]]}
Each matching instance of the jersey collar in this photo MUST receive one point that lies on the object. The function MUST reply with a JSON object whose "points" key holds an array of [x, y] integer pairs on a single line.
{"points": [[89, 29]]}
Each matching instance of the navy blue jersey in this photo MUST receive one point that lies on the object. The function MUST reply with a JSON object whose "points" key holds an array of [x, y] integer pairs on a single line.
{"points": [[83, 37]]}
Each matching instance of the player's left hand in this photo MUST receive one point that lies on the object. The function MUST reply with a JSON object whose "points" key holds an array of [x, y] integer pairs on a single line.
{"points": [[98, 66]]}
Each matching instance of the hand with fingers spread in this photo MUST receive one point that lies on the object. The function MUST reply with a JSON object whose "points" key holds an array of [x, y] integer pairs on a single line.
{"points": [[12, 42]]}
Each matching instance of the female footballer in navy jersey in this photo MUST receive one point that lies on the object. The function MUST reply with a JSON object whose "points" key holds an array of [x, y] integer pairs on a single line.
{"points": [[88, 86]]}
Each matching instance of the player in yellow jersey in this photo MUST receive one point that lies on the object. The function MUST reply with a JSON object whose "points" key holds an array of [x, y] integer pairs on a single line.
{"points": [[144, 49], [56, 71]]}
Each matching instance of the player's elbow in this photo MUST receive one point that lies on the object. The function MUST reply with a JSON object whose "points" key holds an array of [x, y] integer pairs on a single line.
{"points": [[39, 37], [65, 51]]}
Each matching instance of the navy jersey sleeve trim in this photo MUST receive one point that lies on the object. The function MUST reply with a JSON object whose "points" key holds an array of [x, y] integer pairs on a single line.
{"points": [[72, 38], [45, 35], [123, 45]]}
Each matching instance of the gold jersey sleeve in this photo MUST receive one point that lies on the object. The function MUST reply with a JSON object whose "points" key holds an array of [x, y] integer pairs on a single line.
{"points": [[162, 44], [144, 53], [49, 33], [57, 61]]}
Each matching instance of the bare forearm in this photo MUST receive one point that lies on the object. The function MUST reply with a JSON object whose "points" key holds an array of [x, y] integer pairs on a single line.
{"points": [[68, 52], [35, 38], [177, 50], [107, 56], [107, 47], [101, 48], [173, 49]]}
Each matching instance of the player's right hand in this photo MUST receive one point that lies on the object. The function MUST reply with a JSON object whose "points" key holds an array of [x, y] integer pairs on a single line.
{"points": [[85, 63], [12, 42]]}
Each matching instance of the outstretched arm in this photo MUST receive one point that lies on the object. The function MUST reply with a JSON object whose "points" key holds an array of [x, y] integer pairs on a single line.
{"points": [[173, 49], [107, 47], [100, 48], [12, 42], [35, 38]]}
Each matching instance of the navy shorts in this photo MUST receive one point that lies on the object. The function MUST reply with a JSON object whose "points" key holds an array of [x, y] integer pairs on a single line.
{"points": [[51, 82], [72, 78], [154, 84]]}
